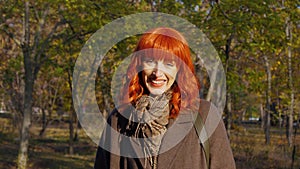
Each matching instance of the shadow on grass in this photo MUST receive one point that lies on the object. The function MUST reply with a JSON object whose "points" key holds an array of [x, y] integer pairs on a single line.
{"points": [[46, 160], [251, 152], [47, 153], [8, 151]]}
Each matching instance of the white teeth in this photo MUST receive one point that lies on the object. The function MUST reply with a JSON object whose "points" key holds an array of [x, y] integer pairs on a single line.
{"points": [[157, 82]]}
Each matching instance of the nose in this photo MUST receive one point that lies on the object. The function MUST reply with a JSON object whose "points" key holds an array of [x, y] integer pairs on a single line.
{"points": [[157, 73], [158, 70]]}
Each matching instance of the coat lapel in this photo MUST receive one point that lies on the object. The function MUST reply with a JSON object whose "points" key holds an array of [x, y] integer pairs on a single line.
{"points": [[173, 141]]}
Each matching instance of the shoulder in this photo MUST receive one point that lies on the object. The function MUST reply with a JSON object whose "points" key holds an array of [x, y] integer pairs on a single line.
{"points": [[206, 108], [113, 115], [119, 112], [204, 104], [220, 151], [118, 118], [212, 120]]}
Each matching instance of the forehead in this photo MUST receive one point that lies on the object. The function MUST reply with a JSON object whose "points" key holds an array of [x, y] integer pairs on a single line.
{"points": [[158, 54]]}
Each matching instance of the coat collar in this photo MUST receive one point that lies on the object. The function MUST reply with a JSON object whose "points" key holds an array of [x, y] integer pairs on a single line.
{"points": [[177, 130]]}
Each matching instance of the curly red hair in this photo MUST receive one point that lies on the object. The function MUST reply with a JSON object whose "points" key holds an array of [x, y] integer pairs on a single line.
{"points": [[171, 41]]}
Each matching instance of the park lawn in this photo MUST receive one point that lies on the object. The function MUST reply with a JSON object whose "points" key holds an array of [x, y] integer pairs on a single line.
{"points": [[251, 152], [51, 151]]}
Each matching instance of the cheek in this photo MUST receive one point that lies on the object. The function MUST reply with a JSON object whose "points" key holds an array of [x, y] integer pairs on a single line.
{"points": [[147, 72], [173, 73], [172, 77]]}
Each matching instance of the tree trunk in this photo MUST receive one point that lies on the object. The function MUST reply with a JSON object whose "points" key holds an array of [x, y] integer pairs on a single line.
{"points": [[44, 123], [212, 80], [268, 101], [243, 116], [294, 148], [228, 94], [71, 114], [291, 106], [45, 120], [199, 74], [262, 116], [29, 82], [279, 109], [32, 63], [76, 135], [229, 109], [71, 136]]}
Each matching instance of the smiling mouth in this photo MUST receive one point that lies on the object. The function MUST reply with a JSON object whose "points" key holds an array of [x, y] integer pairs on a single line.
{"points": [[157, 82]]}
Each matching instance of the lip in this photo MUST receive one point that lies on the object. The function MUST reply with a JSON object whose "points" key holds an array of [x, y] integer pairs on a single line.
{"points": [[158, 82]]}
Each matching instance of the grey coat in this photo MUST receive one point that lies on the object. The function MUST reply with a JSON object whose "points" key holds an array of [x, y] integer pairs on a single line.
{"points": [[186, 154]]}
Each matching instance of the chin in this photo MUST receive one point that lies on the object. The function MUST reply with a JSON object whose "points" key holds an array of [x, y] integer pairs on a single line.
{"points": [[156, 92]]}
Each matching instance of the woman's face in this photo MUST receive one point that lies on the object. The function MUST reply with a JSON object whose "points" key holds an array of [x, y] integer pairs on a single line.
{"points": [[158, 75]]}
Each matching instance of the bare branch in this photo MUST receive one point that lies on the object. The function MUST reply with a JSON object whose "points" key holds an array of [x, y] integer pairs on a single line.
{"points": [[254, 60], [41, 26], [12, 36], [224, 14], [46, 43]]}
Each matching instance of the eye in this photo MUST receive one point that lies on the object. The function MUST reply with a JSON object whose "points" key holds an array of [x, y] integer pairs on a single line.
{"points": [[170, 64], [149, 61]]}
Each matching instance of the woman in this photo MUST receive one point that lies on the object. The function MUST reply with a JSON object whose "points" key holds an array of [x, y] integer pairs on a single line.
{"points": [[159, 103]]}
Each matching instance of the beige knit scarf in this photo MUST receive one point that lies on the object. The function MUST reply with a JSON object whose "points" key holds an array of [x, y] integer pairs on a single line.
{"points": [[152, 114]]}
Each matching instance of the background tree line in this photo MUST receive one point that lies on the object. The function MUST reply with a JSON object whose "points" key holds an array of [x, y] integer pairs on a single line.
{"points": [[257, 41]]}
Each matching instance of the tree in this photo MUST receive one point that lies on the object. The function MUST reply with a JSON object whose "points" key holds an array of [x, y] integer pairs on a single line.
{"points": [[34, 55]]}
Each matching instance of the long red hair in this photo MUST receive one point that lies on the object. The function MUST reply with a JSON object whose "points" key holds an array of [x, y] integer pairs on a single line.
{"points": [[185, 89]]}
